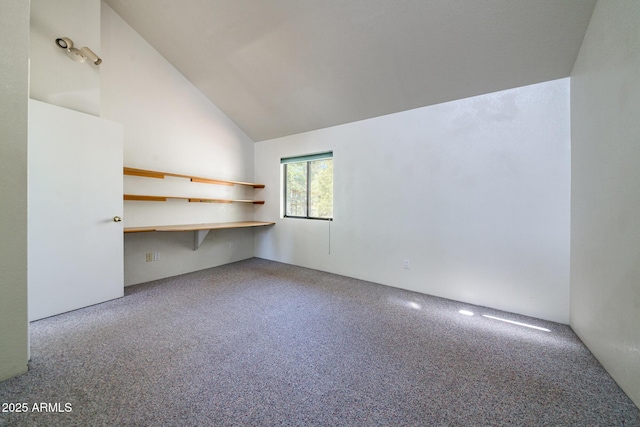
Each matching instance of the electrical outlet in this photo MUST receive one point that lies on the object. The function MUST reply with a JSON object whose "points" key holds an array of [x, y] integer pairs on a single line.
{"points": [[149, 256], [156, 256], [406, 264]]}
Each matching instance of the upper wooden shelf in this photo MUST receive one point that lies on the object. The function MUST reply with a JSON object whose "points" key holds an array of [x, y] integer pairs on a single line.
{"points": [[160, 175], [145, 198]]}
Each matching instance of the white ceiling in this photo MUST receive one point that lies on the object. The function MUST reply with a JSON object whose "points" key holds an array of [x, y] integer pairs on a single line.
{"points": [[280, 67]]}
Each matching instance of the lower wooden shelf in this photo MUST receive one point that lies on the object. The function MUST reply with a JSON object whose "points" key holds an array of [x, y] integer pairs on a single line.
{"points": [[200, 230]]}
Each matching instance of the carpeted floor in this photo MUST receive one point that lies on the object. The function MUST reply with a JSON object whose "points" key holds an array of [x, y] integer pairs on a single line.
{"points": [[264, 344]]}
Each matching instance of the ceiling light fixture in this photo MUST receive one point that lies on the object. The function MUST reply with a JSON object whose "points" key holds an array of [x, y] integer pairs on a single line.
{"points": [[77, 55]]}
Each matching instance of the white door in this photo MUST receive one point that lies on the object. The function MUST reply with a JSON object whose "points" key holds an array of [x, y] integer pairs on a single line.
{"points": [[75, 247]]}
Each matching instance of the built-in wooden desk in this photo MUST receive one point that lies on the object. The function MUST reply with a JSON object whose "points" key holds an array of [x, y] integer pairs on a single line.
{"points": [[200, 230]]}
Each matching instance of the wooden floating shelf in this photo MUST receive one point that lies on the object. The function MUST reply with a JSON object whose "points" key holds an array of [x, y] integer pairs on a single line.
{"points": [[160, 175], [145, 198], [200, 231]]}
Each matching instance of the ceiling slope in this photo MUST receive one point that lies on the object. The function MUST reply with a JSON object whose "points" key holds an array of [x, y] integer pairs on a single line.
{"points": [[280, 67]]}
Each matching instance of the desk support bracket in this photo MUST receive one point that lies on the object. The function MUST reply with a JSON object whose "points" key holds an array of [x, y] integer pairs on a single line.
{"points": [[198, 238]]}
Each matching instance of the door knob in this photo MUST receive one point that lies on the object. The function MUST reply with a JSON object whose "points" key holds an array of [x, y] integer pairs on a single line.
{"points": [[117, 219]]}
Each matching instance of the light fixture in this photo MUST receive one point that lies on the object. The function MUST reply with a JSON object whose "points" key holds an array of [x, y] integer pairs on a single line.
{"points": [[78, 55]]}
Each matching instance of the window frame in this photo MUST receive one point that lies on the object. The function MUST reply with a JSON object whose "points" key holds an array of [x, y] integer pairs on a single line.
{"points": [[307, 159]]}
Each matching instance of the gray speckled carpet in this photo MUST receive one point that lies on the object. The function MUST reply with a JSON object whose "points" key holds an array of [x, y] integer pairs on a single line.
{"points": [[263, 344]]}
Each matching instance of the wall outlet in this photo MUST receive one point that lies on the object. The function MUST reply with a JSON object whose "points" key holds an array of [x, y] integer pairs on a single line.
{"points": [[149, 256], [406, 264], [156, 256]]}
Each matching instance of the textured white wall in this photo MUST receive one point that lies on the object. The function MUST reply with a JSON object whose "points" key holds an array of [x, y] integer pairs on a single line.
{"points": [[475, 193], [55, 78], [170, 126], [605, 201], [14, 50]]}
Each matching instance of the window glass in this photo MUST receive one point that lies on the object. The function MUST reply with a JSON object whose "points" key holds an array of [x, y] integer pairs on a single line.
{"points": [[296, 189], [321, 189], [308, 186]]}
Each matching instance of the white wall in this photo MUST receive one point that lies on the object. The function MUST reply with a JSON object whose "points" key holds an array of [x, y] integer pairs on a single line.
{"points": [[55, 78], [475, 193], [14, 72], [605, 202], [170, 126]]}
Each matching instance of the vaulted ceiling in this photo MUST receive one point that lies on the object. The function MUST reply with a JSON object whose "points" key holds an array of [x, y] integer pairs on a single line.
{"points": [[280, 67]]}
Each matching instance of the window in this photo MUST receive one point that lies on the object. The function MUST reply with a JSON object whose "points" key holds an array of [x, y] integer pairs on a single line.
{"points": [[308, 186]]}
